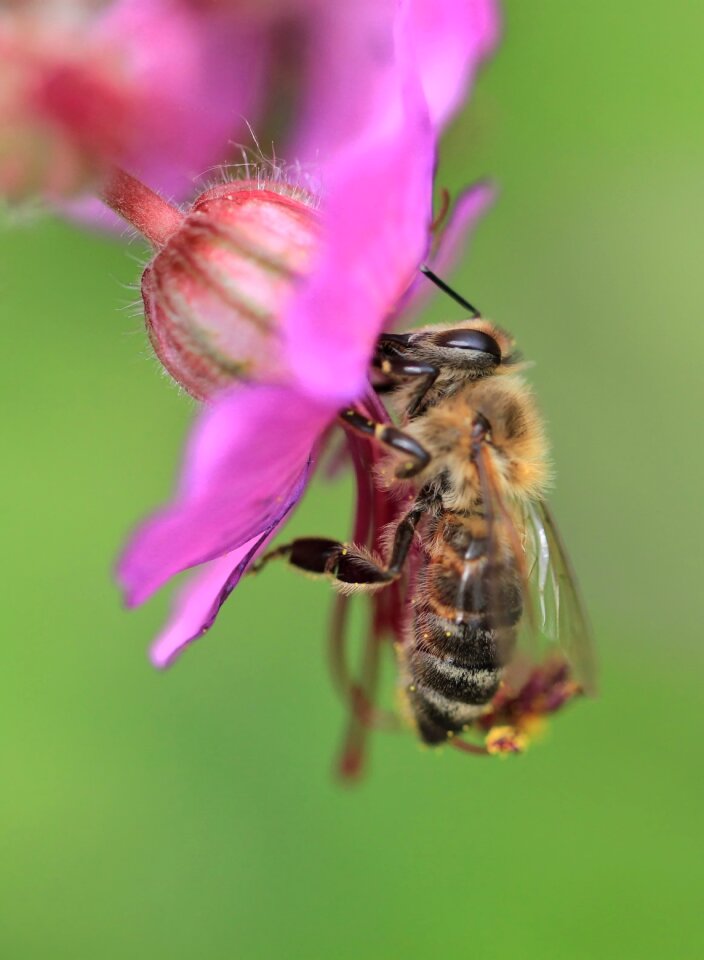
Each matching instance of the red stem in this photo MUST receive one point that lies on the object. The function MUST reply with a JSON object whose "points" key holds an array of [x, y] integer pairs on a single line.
{"points": [[467, 747], [155, 219]]}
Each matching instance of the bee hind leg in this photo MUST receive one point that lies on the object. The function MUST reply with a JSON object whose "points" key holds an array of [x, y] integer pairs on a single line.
{"points": [[349, 564], [342, 563]]}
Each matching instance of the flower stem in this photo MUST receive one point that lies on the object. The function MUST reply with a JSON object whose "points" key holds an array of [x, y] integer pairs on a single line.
{"points": [[149, 213]]}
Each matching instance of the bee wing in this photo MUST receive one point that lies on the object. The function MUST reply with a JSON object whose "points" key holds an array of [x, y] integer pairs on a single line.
{"points": [[561, 618], [508, 587], [554, 622]]}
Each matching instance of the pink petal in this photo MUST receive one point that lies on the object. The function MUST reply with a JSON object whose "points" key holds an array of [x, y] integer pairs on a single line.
{"points": [[349, 86], [247, 464], [198, 76], [199, 601], [469, 208], [348, 79], [377, 216], [451, 37]]}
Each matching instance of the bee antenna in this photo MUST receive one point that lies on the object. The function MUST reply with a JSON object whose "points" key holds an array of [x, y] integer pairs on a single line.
{"points": [[434, 278]]}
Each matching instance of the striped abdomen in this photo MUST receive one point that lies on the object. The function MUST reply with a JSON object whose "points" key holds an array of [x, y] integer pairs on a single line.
{"points": [[468, 605]]}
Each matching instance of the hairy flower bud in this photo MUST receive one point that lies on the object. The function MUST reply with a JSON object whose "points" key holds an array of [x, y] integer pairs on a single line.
{"points": [[215, 292]]}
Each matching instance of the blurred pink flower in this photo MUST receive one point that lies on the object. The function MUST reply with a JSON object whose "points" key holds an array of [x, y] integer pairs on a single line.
{"points": [[255, 445], [148, 84], [164, 88]]}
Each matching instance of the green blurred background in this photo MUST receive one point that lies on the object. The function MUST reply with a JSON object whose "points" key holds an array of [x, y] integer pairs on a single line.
{"points": [[194, 813]]}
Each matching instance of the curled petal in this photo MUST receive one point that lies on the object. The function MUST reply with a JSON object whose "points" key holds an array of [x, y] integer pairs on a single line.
{"points": [[198, 602], [468, 210], [246, 466], [451, 37]]}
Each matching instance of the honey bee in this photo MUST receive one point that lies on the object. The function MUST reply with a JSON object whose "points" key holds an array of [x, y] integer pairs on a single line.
{"points": [[460, 551]]}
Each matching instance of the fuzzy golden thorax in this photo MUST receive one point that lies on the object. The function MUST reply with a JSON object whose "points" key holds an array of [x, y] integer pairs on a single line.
{"points": [[515, 442]]}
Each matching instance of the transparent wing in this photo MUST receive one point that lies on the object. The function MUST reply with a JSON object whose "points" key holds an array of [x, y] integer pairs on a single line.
{"points": [[510, 607], [561, 619], [554, 626]]}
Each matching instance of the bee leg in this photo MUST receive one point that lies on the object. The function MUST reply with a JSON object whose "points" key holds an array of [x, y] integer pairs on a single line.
{"points": [[318, 555], [389, 361], [417, 457], [348, 564], [405, 531]]}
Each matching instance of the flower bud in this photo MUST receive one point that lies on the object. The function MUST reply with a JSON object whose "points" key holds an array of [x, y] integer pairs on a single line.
{"points": [[215, 292]]}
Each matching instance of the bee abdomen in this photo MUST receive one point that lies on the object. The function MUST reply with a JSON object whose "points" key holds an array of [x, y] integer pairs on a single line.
{"points": [[470, 643], [461, 684], [465, 626], [489, 596], [455, 669], [436, 716]]}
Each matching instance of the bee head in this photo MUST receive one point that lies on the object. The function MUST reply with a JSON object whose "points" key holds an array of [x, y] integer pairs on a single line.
{"points": [[476, 347], [470, 339]]}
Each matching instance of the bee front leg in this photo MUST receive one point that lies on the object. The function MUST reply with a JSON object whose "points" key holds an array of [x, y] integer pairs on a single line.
{"points": [[390, 361], [417, 457]]}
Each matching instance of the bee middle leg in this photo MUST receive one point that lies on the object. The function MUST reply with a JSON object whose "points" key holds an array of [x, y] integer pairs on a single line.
{"points": [[416, 456]]}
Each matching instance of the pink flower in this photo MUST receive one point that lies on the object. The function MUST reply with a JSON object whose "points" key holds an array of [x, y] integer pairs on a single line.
{"points": [[346, 73], [256, 444], [333, 60], [148, 84], [166, 88]]}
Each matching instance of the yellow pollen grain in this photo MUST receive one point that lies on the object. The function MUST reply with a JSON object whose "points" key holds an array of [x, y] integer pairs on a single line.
{"points": [[505, 740]]}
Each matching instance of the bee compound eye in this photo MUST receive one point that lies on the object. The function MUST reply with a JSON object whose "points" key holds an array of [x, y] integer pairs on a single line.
{"points": [[475, 340]]}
